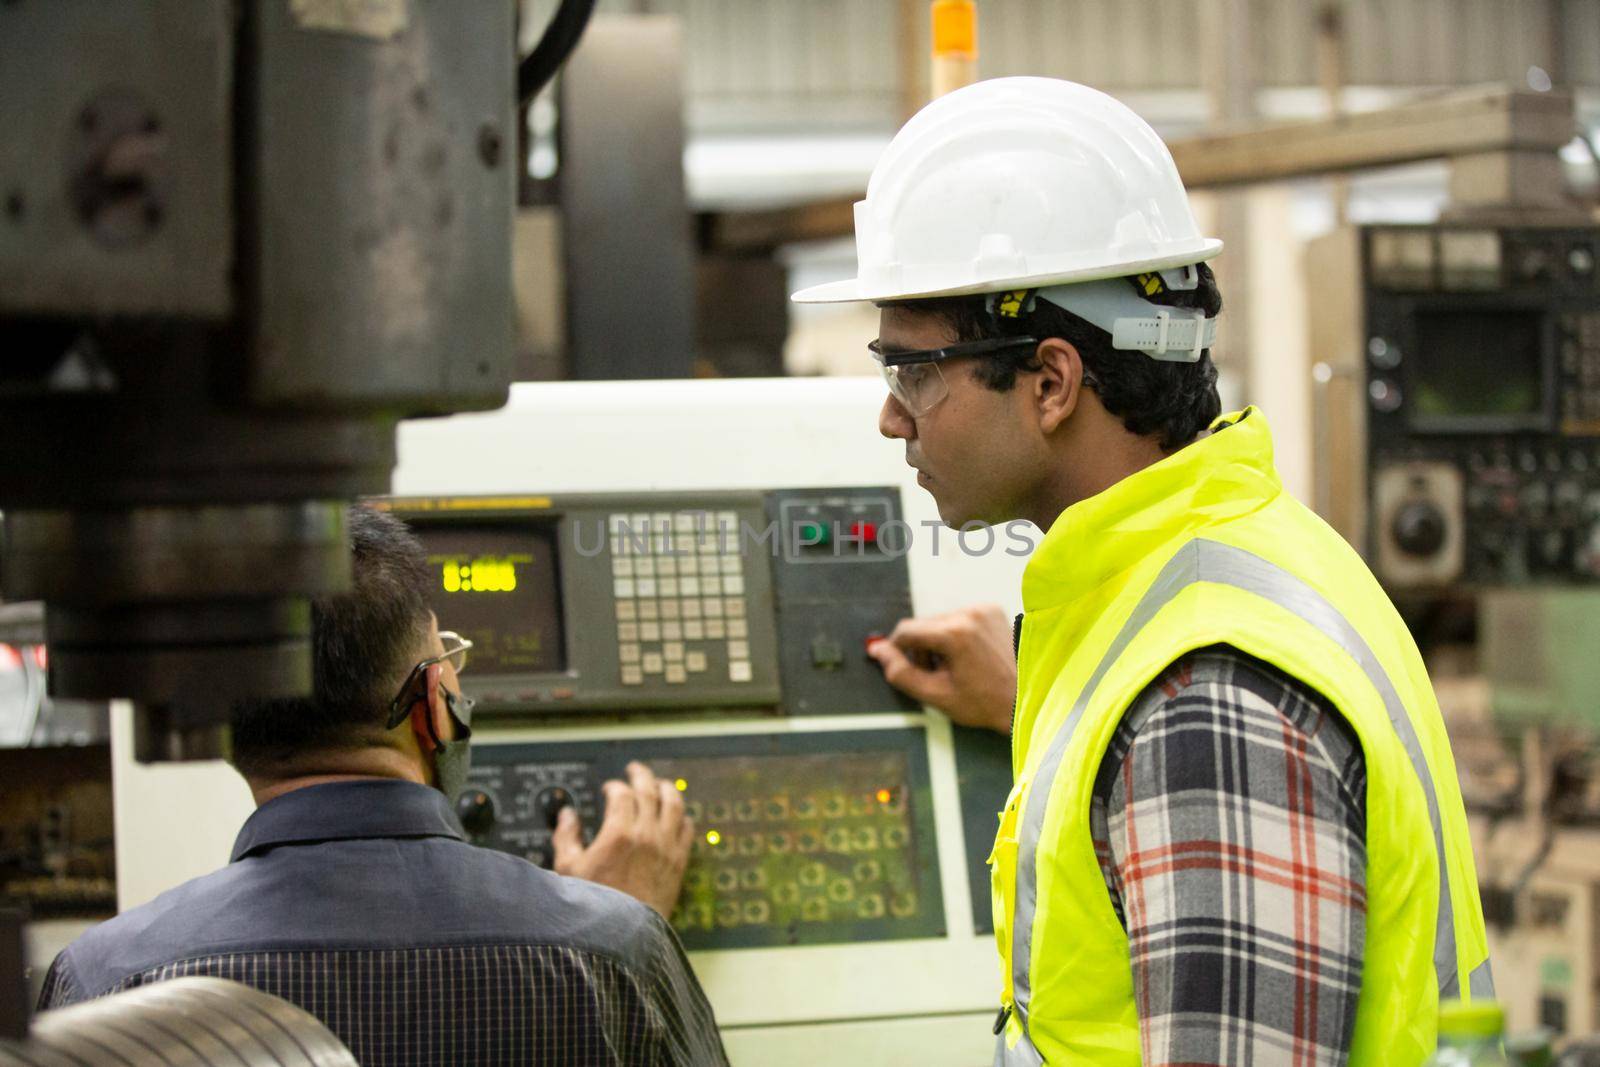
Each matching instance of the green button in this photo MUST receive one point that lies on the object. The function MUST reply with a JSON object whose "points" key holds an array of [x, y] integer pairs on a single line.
{"points": [[814, 533]]}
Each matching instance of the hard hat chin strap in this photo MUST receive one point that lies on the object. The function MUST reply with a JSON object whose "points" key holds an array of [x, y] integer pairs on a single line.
{"points": [[1176, 335]]}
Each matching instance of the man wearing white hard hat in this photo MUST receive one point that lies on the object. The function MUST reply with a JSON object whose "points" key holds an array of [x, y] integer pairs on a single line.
{"points": [[1235, 834]]}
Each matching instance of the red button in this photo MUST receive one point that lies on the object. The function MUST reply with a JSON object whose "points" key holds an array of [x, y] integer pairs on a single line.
{"points": [[864, 531]]}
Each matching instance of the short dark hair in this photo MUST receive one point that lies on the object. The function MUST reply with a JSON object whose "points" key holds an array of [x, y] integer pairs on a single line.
{"points": [[363, 642], [1152, 397]]}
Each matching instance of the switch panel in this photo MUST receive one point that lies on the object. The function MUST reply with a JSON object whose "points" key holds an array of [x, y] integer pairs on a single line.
{"points": [[803, 838], [602, 603]]}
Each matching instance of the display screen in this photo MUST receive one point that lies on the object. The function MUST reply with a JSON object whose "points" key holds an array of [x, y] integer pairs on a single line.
{"points": [[496, 584], [1477, 368], [796, 843]]}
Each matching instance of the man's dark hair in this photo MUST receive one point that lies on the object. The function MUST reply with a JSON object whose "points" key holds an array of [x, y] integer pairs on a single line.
{"points": [[1174, 401], [362, 644]]}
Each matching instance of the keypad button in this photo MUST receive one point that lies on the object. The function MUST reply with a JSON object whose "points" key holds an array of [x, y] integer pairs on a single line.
{"points": [[712, 607], [628, 653], [710, 585], [739, 671], [672, 631], [649, 610], [733, 608], [738, 650], [672, 651], [627, 631], [694, 630], [644, 568], [623, 587], [733, 585], [667, 586], [730, 565], [695, 662], [688, 566], [675, 674], [715, 629], [649, 631], [632, 676], [669, 609], [689, 586], [627, 611], [621, 547], [683, 520], [738, 628], [690, 608], [710, 565], [645, 586], [653, 663], [622, 567]]}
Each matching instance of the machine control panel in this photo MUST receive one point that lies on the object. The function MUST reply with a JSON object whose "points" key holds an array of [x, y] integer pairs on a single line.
{"points": [[659, 601], [1482, 389], [800, 838]]}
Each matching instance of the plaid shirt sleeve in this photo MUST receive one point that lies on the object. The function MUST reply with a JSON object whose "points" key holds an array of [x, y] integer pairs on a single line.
{"points": [[1229, 816]]}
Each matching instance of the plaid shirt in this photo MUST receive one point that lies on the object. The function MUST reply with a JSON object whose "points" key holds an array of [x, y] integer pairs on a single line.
{"points": [[1229, 815], [362, 903]]}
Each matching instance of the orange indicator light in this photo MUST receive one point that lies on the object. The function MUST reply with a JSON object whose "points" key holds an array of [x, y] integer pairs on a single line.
{"points": [[955, 28], [884, 796], [713, 838], [681, 784]]}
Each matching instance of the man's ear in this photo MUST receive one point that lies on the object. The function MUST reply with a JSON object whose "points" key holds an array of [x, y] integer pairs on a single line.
{"points": [[430, 718], [1059, 384]]}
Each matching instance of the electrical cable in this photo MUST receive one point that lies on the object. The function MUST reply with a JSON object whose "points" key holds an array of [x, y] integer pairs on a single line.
{"points": [[560, 38]]}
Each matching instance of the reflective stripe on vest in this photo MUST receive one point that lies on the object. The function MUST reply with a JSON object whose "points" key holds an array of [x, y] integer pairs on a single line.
{"points": [[1219, 564]]}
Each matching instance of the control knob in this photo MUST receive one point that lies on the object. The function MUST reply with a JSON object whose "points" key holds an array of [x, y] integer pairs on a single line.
{"points": [[475, 809], [549, 803], [1418, 528]]}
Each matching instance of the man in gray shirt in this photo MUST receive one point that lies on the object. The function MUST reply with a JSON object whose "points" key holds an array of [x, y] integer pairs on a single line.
{"points": [[353, 893]]}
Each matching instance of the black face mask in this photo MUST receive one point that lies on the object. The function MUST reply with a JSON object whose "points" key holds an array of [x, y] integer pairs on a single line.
{"points": [[452, 760]]}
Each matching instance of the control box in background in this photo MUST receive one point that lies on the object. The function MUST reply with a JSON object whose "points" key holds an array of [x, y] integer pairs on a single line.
{"points": [[1458, 414]]}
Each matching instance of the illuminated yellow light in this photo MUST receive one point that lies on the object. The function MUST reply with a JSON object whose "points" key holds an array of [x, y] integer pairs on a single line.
{"points": [[681, 784], [713, 838], [486, 574], [955, 28], [884, 796]]}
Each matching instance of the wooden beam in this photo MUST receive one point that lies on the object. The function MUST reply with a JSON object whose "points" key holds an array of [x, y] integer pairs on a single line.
{"points": [[754, 231], [1468, 123], [1438, 127]]}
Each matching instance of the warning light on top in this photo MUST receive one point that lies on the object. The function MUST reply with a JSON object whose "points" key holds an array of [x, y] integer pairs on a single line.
{"points": [[682, 784], [884, 796]]}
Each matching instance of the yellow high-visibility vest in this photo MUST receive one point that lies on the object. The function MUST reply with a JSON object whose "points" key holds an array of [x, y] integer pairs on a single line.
{"points": [[1205, 548]]}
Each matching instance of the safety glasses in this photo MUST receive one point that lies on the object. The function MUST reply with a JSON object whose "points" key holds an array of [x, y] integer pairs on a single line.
{"points": [[455, 650], [915, 378]]}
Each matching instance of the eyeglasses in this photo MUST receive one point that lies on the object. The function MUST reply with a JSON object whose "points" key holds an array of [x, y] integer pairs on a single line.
{"points": [[455, 650], [915, 378]]}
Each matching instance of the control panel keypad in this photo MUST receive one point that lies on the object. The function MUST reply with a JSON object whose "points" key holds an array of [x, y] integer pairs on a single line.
{"points": [[809, 838], [679, 587], [816, 840]]}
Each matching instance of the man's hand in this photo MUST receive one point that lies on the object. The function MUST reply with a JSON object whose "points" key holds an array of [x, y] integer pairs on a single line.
{"points": [[643, 843], [961, 663]]}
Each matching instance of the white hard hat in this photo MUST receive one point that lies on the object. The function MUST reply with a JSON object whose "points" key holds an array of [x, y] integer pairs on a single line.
{"points": [[1018, 183]]}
